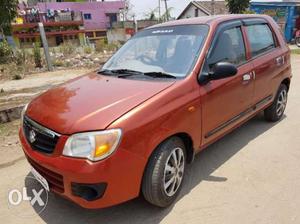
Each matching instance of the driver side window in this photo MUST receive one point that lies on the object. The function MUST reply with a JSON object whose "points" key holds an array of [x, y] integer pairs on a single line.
{"points": [[229, 47]]}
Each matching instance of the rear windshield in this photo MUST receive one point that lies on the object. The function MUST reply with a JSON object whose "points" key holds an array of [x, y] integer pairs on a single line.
{"points": [[172, 50]]}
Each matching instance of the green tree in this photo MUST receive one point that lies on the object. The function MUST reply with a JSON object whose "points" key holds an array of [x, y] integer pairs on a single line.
{"points": [[8, 12], [237, 6]]}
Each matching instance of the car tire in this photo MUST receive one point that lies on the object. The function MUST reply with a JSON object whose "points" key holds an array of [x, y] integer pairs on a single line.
{"points": [[164, 174], [275, 112], [298, 41]]}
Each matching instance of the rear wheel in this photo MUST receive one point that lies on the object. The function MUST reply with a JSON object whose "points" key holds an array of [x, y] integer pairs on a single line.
{"points": [[164, 173], [298, 41], [276, 110]]}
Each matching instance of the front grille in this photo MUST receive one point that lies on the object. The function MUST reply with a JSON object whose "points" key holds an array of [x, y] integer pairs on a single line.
{"points": [[39, 137], [55, 180]]}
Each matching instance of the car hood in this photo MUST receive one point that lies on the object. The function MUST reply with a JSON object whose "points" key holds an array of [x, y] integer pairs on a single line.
{"points": [[91, 102]]}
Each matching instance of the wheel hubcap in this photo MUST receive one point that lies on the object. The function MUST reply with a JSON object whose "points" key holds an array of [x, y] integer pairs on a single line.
{"points": [[281, 102], [173, 172]]}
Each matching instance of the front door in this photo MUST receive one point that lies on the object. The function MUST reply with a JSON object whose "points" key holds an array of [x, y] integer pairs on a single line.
{"points": [[225, 102]]}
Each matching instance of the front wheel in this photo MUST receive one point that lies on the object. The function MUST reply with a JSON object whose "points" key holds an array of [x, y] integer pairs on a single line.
{"points": [[164, 173], [276, 110]]}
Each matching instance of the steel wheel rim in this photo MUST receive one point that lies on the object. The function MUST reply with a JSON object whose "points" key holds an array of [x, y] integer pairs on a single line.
{"points": [[281, 102], [173, 172]]}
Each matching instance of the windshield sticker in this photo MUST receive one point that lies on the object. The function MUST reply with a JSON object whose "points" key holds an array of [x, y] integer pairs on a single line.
{"points": [[162, 31]]}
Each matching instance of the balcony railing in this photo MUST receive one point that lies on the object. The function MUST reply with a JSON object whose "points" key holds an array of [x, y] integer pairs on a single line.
{"points": [[44, 18]]}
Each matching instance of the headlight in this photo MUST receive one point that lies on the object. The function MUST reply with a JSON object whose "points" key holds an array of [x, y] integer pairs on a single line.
{"points": [[93, 145], [23, 113]]}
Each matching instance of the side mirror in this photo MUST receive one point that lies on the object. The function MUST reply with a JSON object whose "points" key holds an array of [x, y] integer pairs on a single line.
{"points": [[220, 70]]}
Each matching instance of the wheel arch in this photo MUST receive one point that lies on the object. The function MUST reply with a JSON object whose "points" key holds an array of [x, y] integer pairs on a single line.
{"points": [[189, 145], [187, 141], [287, 82]]}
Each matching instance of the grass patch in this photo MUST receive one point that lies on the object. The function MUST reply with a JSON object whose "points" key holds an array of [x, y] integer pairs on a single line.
{"points": [[295, 51]]}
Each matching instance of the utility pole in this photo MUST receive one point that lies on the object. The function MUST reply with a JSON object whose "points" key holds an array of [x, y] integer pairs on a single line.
{"points": [[167, 11], [212, 7], [135, 24], [45, 45], [159, 13]]}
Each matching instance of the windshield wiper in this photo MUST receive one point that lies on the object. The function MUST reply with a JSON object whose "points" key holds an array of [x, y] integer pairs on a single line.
{"points": [[160, 75], [105, 72], [120, 73], [117, 72]]}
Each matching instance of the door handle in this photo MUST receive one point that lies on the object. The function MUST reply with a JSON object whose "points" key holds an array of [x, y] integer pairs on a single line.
{"points": [[247, 77]]}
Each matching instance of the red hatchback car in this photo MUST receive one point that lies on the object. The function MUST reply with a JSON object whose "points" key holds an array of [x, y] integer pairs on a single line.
{"points": [[168, 93]]}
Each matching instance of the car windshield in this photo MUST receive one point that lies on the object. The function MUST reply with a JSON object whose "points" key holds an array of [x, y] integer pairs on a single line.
{"points": [[170, 50]]}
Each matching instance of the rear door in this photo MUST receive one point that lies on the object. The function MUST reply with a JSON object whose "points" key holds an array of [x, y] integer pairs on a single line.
{"points": [[267, 59], [227, 101]]}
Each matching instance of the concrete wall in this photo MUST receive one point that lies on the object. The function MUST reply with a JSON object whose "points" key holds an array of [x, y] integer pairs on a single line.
{"points": [[130, 24], [122, 31]]}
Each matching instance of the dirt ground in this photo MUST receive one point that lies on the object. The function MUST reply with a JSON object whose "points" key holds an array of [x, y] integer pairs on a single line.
{"points": [[19, 92], [250, 176], [9, 144]]}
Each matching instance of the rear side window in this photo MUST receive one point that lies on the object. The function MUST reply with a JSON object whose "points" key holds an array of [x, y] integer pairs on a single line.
{"points": [[229, 48], [261, 38]]}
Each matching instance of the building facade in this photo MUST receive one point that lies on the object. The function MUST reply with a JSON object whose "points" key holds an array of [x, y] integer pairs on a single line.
{"points": [[204, 8], [97, 16], [65, 21]]}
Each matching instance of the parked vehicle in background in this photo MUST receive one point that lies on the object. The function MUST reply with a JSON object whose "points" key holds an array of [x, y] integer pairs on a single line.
{"points": [[168, 93], [297, 38]]}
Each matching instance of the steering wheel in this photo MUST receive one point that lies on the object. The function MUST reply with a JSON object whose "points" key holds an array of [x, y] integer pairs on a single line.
{"points": [[146, 59]]}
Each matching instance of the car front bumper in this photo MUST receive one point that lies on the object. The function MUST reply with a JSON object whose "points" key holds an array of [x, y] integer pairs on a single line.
{"points": [[118, 178]]}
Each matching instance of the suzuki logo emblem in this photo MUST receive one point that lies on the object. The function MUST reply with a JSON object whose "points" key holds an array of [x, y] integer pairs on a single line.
{"points": [[32, 136]]}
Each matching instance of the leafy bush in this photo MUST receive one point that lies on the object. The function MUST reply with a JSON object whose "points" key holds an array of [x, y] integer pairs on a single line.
{"points": [[113, 47], [102, 45], [67, 64], [37, 55], [17, 77], [20, 57], [14, 71], [5, 52], [67, 48], [247, 11], [87, 49], [99, 46], [58, 63]]}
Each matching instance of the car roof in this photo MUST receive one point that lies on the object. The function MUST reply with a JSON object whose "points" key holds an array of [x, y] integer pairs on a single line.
{"points": [[209, 20]]}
